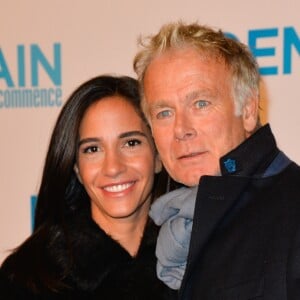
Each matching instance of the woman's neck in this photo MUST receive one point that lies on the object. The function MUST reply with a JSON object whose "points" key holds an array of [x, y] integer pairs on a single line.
{"points": [[128, 235]]}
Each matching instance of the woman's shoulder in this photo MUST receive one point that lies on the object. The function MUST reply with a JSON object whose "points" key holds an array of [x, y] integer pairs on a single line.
{"points": [[11, 289], [23, 280], [30, 268]]}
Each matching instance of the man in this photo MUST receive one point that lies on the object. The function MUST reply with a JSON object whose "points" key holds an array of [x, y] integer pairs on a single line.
{"points": [[201, 97]]}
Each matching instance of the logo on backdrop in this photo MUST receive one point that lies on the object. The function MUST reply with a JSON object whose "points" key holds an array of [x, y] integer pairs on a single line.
{"points": [[21, 78], [289, 41], [33, 200]]}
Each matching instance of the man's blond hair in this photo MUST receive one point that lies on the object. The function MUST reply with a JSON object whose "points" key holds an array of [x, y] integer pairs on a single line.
{"points": [[210, 43]]}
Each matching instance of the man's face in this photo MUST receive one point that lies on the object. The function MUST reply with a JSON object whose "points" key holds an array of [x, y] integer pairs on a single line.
{"points": [[192, 113]]}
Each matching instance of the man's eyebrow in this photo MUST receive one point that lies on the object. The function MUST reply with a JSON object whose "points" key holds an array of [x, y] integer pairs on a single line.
{"points": [[159, 104], [197, 94], [193, 95], [189, 97]]}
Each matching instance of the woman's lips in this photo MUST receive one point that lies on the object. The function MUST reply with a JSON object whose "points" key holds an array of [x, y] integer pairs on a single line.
{"points": [[120, 187]]}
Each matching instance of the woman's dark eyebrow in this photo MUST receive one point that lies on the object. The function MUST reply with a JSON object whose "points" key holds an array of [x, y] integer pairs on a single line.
{"points": [[122, 135], [132, 133], [88, 140]]}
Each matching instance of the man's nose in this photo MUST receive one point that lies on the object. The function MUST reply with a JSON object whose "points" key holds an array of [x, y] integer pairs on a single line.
{"points": [[183, 128]]}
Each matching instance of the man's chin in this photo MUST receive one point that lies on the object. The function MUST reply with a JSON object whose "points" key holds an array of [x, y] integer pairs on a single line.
{"points": [[191, 180], [188, 180]]}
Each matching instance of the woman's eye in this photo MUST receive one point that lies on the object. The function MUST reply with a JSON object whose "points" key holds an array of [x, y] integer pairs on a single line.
{"points": [[133, 143], [91, 149], [201, 103], [163, 114]]}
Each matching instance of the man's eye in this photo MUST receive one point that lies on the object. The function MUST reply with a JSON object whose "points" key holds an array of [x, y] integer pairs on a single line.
{"points": [[163, 114], [201, 103], [91, 149], [133, 143]]}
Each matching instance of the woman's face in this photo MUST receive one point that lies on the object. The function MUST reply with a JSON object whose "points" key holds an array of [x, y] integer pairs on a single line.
{"points": [[116, 161]]}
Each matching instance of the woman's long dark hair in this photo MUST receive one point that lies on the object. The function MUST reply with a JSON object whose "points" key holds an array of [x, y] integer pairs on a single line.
{"points": [[60, 191]]}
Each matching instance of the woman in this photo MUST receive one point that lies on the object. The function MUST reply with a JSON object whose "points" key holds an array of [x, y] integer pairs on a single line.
{"points": [[93, 237]]}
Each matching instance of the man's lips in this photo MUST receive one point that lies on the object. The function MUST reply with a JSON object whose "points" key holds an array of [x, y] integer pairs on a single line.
{"points": [[119, 187], [190, 155]]}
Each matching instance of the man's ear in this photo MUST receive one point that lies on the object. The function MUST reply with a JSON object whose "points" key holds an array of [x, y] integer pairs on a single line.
{"points": [[158, 164], [76, 170], [250, 115]]}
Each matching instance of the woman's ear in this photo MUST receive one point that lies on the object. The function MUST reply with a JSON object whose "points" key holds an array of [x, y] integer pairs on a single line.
{"points": [[250, 115], [158, 164], [76, 170]]}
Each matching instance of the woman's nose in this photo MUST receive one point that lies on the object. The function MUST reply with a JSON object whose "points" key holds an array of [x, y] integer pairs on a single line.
{"points": [[113, 164]]}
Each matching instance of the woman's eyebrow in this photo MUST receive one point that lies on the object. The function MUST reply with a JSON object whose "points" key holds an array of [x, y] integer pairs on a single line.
{"points": [[88, 140], [132, 133], [122, 135]]}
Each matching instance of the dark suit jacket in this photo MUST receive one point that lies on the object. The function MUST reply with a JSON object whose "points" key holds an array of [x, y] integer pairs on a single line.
{"points": [[245, 241]]}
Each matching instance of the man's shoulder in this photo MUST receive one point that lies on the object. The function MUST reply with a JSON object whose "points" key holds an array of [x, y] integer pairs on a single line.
{"points": [[293, 172]]}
